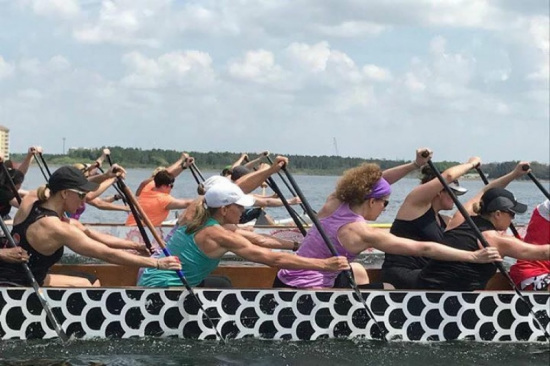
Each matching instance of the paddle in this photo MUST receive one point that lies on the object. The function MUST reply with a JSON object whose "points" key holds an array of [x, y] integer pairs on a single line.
{"points": [[486, 181], [197, 171], [60, 333], [117, 189], [485, 244], [330, 246], [271, 183], [195, 174], [45, 165], [288, 186], [526, 167], [135, 203], [40, 166]]}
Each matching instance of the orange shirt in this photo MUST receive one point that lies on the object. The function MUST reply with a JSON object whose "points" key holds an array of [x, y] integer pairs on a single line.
{"points": [[153, 204]]}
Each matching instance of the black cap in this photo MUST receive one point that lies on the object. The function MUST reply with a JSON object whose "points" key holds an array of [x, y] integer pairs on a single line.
{"points": [[239, 171], [69, 177], [500, 199]]}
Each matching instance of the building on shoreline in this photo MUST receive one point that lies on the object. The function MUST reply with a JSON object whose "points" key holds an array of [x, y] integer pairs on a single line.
{"points": [[4, 142]]}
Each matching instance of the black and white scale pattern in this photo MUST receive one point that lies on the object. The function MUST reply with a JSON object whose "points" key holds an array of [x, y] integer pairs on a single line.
{"points": [[273, 314]]}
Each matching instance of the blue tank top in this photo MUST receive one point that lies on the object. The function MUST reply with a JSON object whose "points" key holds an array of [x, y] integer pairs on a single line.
{"points": [[195, 264]]}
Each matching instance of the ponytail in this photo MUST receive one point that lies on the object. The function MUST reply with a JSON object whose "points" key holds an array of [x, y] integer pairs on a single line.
{"points": [[478, 207], [43, 193], [202, 214]]}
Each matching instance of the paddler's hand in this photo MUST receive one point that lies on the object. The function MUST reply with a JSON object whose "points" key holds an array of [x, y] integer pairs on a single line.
{"points": [[14, 255], [116, 171], [520, 170], [141, 248], [486, 255], [475, 161], [423, 155], [168, 263], [279, 162], [337, 264]]}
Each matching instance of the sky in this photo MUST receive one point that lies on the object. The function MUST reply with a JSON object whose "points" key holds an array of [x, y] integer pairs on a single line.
{"points": [[371, 79]]}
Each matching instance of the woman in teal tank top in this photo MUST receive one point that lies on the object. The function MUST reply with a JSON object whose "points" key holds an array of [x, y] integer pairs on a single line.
{"points": [[203, 241]]}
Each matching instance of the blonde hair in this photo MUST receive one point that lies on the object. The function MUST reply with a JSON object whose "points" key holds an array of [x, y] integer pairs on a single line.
{"points": [[357, 183], [157, 170], [202, 214], [43, 193]]}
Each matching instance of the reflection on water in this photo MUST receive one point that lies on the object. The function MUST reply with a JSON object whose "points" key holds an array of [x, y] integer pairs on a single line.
{"points": [[255, 352]]}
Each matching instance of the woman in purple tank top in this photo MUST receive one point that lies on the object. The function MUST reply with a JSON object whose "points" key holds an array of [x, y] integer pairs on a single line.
{"points": [[361, 194]]}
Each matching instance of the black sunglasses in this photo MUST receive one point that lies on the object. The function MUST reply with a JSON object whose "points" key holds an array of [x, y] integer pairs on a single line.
{"points": [[386, 202], [512, 214]]}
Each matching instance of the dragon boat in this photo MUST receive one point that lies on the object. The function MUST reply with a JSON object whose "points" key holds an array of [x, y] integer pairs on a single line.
{"points": [[253, 309]]}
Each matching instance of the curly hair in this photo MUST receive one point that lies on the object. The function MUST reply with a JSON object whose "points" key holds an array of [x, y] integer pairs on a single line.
{"points": [[358, 182]]}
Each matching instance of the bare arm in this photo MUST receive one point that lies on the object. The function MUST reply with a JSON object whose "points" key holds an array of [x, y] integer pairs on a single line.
{"points": [[250, 182], [392, 244], [242, 247], [392, 175], [266, 241], [515, 248], [420, 198], [501, 182], [261, 201], [178, 203], [24, 166], [180, 165], [101, 204]]}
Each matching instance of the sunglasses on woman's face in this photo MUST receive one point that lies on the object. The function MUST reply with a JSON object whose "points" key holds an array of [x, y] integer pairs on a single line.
{"points": [[386, 202], [80, 194], [512, 214]]}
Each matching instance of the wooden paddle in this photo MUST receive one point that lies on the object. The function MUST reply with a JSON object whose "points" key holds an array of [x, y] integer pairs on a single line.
{"points": [[485, 244], [330, 246], [486, 181], [132, 199]]}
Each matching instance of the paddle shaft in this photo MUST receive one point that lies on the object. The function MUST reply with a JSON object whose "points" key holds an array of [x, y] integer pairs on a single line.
{"points": [[536, 181], [195, 175], [486, 181], [160, 242], [40, 166], [146, 240], [198, 171], [275, 188], [10, 183], [485, 244], [117, 189], [333, 251], [45, 164], [49, 313], [288, 186]]}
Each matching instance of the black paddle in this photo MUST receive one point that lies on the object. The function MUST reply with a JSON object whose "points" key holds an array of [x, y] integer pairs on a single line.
{"points": [[536, 181], [195, 174], [45, 164], [198, 171], [271, 183], [486, 181], [330, 246], [133, 200], [40, 166], [288, 186], [485, 244]]}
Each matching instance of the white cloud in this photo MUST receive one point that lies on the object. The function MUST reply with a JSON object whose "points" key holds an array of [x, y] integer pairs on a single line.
{"points": [[350, 29], [66, 9], [312, 58], [377, 73], [257, 66], [6, 69], [539, 30], [184, 69]]}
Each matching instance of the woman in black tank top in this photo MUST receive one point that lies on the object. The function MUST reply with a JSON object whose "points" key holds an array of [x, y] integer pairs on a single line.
{"points": [[493, 210], [41, 229], [418, 218]]}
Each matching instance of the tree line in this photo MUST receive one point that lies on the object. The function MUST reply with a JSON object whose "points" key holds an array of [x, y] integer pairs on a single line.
{"points": [[303, 164]]}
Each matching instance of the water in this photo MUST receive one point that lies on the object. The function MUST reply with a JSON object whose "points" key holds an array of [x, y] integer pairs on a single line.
{"points": [[153, 351], [315, 188], [254, 352]]}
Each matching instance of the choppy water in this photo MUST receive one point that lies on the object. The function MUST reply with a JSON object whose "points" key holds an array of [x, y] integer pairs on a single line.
{"points": [[153, 351], [254, 352]]}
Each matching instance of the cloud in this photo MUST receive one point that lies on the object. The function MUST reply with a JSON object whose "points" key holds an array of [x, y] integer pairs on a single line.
{"points": [[65, 9], [182, 69], [6, 69]]}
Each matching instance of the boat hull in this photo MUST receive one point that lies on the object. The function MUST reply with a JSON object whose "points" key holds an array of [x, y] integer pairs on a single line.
{"points": [[491, 316]]}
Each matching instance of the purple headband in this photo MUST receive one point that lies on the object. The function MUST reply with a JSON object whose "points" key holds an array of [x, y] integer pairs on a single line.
{"points": [[381, 189]]}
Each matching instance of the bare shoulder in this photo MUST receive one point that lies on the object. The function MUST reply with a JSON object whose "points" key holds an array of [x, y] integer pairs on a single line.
{"points": [[356, 236]]}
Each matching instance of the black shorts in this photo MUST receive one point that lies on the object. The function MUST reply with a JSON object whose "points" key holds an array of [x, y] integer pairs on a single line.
{"points": [[401, 277]]}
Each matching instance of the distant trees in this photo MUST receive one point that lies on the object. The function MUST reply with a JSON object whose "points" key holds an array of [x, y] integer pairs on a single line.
{"points": [[306, 164]]}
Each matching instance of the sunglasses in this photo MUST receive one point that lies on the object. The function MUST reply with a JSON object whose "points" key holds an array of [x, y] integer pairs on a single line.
{"points": [[512, 214], [80, 194], [386, 202], [171, 185]]}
